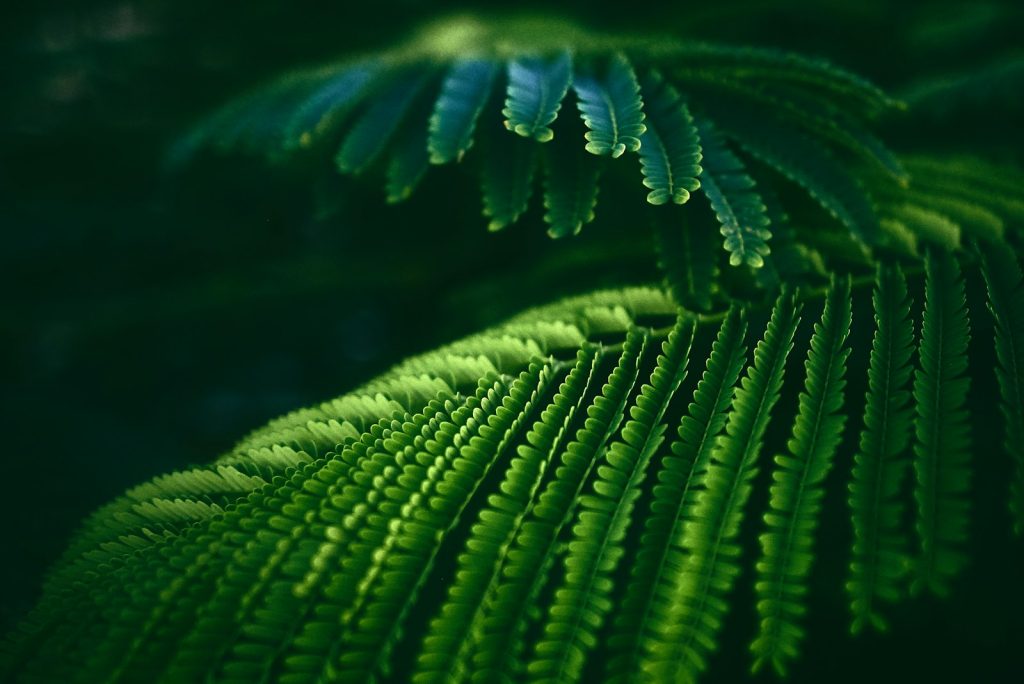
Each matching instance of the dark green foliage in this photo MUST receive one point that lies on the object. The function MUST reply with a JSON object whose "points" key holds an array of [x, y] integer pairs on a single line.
{"points": [[1006, 302], [730, 190], [611, 108], [371, 102], [942, 446], [669, 149], [880, 465], [688, 257], [796, 493], [535, 90]]}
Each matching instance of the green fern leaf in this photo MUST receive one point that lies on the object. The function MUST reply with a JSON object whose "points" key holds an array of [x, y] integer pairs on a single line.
{"points": [[942, 445], [409, 159], [797, 490], [611, 107], [880, 465], [700, 595], [734, 199], [582, 602], [506, 177], [445, 652], [1006, 302], [649, 590], [570, 187], [464, 94], [670, 148], [326, 105], [795, 156], [536, 88], [498, 641], [374, 127]]}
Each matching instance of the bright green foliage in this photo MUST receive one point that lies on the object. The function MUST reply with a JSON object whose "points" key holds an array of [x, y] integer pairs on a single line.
{"points": [[647, 600], [1006, 302], [536, 88], [611, 108], [670, 149], [497, 644], [796, 492], [880, 465], [445, 648], [583, 601], [570, 188], [699, 598], [464, 93], [730, 190], [505, 507], [377, 124], [942, 445]]}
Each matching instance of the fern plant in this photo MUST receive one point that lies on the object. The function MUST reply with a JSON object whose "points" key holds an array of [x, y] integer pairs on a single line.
{"points": [[567, 496]]}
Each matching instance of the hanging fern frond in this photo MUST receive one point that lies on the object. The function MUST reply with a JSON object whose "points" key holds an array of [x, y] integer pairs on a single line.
{"points": [[670, 151], [942, 444], [797, 490], [541, 60], [611, 107], [734, 199], [372, 130], [464, 94], [1005, 286], [536, 88], [570, 187], [880, 546], [700, 595]]}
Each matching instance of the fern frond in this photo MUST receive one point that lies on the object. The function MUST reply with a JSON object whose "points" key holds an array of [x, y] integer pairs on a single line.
{"points": [[700, 596], [327, 104], [611, 107], [570, 187], [506, 177], [796, 493], [409, 160], [942, 445], [583, 601], [805, 163], [536, 88], [880, 465], [929, 225], [464, 94], [1006, 303], [497, 640], [375, 126], [647, 599], [734, 199], [445, 652], [670, 151]]}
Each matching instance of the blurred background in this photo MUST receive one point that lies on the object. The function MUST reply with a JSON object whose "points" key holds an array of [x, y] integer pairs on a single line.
{"points": [[148, 319]]}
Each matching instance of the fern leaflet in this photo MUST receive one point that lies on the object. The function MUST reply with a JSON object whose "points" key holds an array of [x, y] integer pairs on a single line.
{"points": [[612, 108], [670, 148], [535, 91], [942, 445], [796, 493], [464, 94]]}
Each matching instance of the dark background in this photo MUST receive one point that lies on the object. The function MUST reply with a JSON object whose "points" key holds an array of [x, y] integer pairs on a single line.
{"points": [[148, 320]]}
